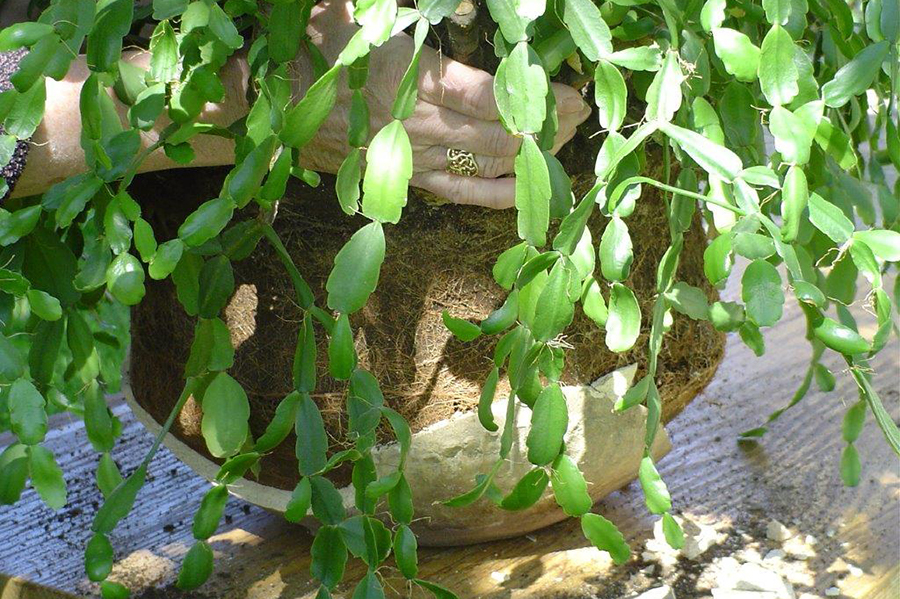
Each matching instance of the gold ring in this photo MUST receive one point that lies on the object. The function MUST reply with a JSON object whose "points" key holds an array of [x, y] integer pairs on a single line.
{"points": [[460, 162]]}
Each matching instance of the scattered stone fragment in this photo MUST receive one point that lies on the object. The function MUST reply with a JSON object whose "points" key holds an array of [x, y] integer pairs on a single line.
{"points": [[499, 577], [698, 538], [830, 533], [811, 540], [854, 570], [808, 596], [663, 592], [775, 554], [649, 570], [777, 531], [839, 566], [832, 592], [753, 577], [799, 549], [736, 594]]}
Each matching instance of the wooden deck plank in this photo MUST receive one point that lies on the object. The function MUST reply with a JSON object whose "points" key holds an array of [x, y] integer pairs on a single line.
{"points": [[791, 475]]}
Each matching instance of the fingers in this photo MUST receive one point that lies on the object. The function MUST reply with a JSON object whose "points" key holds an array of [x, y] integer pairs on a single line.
{"points": [[470, 91], [491, 193], [434, 158], [568, 100], [439, 126], [453, 85], [568, 123]]}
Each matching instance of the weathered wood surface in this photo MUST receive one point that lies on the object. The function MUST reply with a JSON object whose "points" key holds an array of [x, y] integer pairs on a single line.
{"points": [[791, 475]]}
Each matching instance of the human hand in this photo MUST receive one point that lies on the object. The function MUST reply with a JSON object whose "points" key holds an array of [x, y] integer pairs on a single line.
{"points": [[455, 109]]}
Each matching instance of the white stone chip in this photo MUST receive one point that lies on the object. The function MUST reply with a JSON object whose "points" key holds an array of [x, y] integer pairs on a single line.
{"points": [[798, 549], [735, 594], [698, 538], [663, 592], [499, 577], [832, 592], [753, 577], [775, 554], [777, 531]]}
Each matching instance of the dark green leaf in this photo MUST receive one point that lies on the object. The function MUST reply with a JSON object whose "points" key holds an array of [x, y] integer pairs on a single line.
{"points": [[356, 269], [26, 412], [655, 492], [717, 259], [554, 310], [369, 588], [327, 504], [47, 477], [206, 519], [761, 292], [341, 352], [851, 467], [225, 415], [312, 442], [98, 557], [303, 121], [216, 286], [196, 567], [206, 222], [461, 329], [119, 502], [829, 219], [527, 491], [405, 552], [328, 556], [549, 422], [532, 193], [299, 503], [855, 76], [108, 475], [840, 338], [604, 535], [569, 487]]}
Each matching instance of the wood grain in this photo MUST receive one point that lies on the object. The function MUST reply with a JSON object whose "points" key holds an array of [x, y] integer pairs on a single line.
{"points": [[790, 475]]}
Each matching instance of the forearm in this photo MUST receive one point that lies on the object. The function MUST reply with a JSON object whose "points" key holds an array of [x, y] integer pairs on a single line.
{"points": [[55, 149]]}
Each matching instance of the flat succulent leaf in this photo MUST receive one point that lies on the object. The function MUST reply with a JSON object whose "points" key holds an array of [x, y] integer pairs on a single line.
{"points": [[356, 269], [856, 76], [761, 293], [555, 309], [778, 74], [569, 487], [604, 535], [740, 56], [27, 415], [532, 193], [549, 421], [226, 411], [610, 95], [388, 170], [588, 29], [623, 324]]}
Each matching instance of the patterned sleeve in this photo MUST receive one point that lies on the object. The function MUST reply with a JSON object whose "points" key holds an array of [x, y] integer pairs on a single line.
{"points": [[9, 64]]}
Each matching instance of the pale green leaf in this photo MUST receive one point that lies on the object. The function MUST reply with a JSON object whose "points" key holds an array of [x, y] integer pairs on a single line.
{"points": [[388, 170]]}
